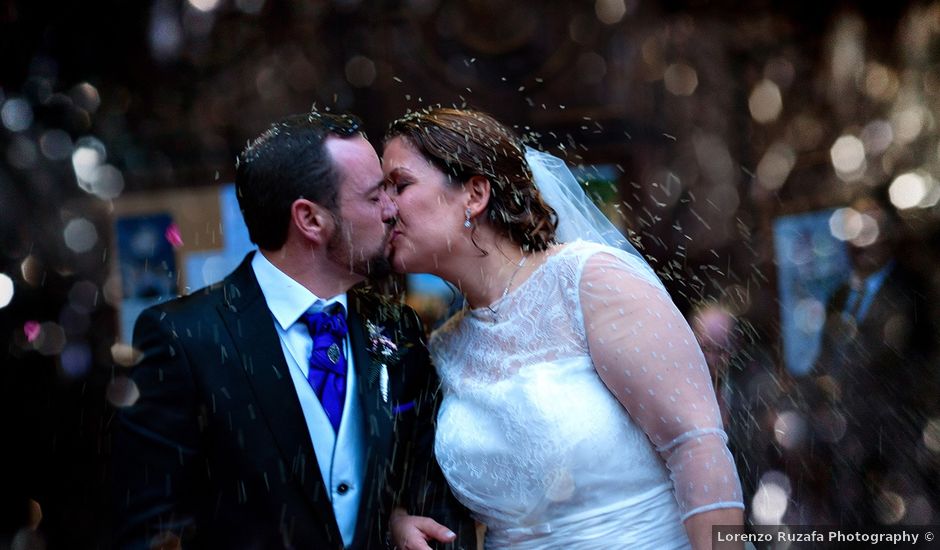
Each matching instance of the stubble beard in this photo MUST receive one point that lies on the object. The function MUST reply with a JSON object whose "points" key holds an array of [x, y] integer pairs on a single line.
{"points": [[374, 265]]}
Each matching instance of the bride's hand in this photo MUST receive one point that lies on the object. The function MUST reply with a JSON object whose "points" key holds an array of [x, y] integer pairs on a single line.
{"points": [[413, 532]]}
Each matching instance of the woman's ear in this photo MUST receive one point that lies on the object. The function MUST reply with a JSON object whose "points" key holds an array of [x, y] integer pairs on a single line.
{"points": [[478, 194], [313, 222]]}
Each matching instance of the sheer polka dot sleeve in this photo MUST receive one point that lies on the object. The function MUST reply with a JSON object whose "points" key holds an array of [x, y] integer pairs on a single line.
{"points": [[645, 352]]}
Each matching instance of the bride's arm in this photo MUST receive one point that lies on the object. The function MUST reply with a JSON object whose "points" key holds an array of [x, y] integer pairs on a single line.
{"points": [[645, 353]]}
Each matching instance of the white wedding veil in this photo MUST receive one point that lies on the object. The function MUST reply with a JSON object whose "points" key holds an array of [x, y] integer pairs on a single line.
{"points": [[578, 217]]}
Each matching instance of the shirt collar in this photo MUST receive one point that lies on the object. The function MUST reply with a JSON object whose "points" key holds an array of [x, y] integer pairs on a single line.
{"points": [[286, 298]]}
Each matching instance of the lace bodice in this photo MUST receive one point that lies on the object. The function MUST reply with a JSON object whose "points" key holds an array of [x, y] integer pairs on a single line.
{"points": [[571, 403]]}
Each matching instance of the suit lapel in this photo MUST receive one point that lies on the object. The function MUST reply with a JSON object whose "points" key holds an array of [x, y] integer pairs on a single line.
{"points": [[251, 327], [376, 415]]}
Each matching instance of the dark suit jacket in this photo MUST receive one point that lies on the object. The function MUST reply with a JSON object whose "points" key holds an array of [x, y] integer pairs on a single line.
{"points": [[881, 383], [885, 355], [216, 449]]}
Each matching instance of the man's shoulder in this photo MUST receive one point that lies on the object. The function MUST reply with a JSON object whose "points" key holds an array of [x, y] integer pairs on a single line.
{"points": [[200, 300], [231, 289]]}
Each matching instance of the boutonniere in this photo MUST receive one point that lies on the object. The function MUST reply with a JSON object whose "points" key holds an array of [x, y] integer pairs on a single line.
{"points": [[383, 352]]}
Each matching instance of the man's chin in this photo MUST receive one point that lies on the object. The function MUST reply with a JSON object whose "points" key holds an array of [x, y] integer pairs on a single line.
{"points": [[379, 267]]}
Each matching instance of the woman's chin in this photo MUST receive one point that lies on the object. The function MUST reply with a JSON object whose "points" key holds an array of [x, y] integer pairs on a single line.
{"points": [[399, 263]]}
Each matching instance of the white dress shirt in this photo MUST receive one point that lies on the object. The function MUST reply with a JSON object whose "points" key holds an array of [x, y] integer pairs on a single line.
{"points": [[340, 456]]}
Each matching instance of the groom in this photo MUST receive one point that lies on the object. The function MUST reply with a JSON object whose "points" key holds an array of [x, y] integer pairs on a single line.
{"points": [[276, 409]]}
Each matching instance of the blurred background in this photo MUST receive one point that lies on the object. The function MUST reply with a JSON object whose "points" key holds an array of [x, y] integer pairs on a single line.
{"points": [[732, 141]]}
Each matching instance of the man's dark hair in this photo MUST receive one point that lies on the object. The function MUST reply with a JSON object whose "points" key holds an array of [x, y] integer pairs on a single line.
{"points": [[285, 163]]}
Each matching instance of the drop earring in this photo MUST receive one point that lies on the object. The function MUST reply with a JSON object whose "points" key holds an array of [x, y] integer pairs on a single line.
{"points": [[467, 222]]}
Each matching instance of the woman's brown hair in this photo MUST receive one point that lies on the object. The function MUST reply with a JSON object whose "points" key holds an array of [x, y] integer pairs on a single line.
{"points": [[464, 143]]}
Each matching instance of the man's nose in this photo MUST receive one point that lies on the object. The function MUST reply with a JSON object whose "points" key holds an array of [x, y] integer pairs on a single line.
{"points": [[389, 208]]}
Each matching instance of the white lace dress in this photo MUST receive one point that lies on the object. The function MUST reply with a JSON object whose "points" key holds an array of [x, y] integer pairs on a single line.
{"points": [[581, 414]]}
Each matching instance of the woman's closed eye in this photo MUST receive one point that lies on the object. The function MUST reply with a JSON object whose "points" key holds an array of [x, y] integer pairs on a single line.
{"points": [[393, 187], [400, 186]]}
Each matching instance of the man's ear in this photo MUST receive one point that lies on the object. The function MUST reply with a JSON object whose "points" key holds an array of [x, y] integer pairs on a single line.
{"points": [[314, 222], [478, 194]]}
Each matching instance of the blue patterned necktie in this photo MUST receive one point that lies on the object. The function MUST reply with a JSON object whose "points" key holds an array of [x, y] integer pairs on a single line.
{"points": [[327, 374]]}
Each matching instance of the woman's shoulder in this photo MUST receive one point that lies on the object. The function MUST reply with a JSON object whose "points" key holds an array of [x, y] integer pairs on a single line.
{"points": [[598, 259], [579, 252]]}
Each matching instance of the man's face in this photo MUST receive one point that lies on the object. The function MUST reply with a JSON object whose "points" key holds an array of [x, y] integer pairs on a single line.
{"points": [[364, 211]]}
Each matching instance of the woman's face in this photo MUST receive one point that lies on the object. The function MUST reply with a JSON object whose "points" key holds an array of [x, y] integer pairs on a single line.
{"points": [[430, 209]]}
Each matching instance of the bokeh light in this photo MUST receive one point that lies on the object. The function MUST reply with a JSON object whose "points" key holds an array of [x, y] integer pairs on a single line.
{"points": [[610, 12], [860, 229], [6, 290], [847, 51], [931, 435], [80, 235], [204, 5], [790, 429], [771, 499], [31, 330], [680, 79], [360, 71], [908, 123], [86, 96], [16, 114], [165, 32], [125, 355], [75, 360], [55, 144], [31, 270], [765, 102], [908, 190], [775, 166], [890, 507], [88, 155], [881, 83], [107, 182], [932, 197], [713, 157], [845, 224], [848, 157], [122, 392], [810, 314], [49, 339], [877, 136], [869, 232]]}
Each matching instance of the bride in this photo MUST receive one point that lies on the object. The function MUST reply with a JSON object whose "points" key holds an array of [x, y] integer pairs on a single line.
{"points": [[578, 411]]}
